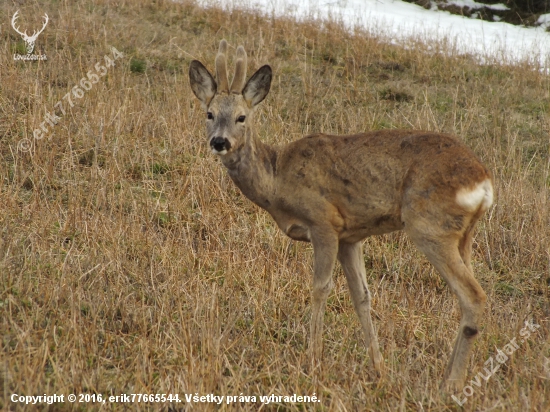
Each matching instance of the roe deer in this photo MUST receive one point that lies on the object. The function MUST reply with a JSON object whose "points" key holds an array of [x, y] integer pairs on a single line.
{"points": [[334, 191]]}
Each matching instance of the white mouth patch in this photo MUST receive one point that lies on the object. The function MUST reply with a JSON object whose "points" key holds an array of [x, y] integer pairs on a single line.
{"points": [[216, 152]]}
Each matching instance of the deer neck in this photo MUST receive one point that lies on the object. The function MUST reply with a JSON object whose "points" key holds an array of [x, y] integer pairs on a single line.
{"points": [[252, 167]]}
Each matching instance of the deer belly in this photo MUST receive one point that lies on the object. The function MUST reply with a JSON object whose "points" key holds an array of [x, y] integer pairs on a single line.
{"points": [[377, 225]]}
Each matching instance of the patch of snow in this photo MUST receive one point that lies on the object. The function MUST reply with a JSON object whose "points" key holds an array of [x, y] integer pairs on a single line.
{"points": [[399, 22], [544, 20]]}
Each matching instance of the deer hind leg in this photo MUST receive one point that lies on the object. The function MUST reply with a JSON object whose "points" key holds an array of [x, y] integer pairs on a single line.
{"points": [[350, 256], [466, 242], [448, 255], [325, 249]]}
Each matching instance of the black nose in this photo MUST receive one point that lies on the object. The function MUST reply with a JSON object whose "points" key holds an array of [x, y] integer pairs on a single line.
{"points": [[220, 144]]}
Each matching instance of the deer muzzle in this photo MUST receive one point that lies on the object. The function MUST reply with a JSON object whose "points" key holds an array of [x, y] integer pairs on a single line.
{"points": [[220, 145]]}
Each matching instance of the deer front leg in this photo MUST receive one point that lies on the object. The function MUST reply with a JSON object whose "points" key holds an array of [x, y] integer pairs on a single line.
{"points": [[325, 249], [350, 256]]}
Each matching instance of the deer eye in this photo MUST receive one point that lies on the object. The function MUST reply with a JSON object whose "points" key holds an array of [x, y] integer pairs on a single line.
{"points": [[209, 116], [240, 119]]}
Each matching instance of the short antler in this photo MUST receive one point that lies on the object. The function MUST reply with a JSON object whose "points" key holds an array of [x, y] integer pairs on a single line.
{"points": [[239, 79], [240, 71], [221, 68]]}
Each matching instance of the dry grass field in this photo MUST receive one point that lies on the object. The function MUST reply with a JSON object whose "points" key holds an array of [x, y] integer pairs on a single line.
{"points": [[130, 263]]}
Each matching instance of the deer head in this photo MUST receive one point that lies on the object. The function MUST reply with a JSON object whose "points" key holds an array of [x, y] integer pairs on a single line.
{"points": [[29, 40], [228, 108]]}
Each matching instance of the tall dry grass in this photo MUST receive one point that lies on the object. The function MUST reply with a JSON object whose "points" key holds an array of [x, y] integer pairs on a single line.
{"points": [[130, 263]]}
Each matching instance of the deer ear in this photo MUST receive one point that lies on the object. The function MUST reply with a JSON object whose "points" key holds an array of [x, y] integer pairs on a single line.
{"points": [[257, 87], [202, 83]]}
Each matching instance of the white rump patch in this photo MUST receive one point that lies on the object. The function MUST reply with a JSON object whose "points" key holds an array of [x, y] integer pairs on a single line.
{"points": [[480, 196]]}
